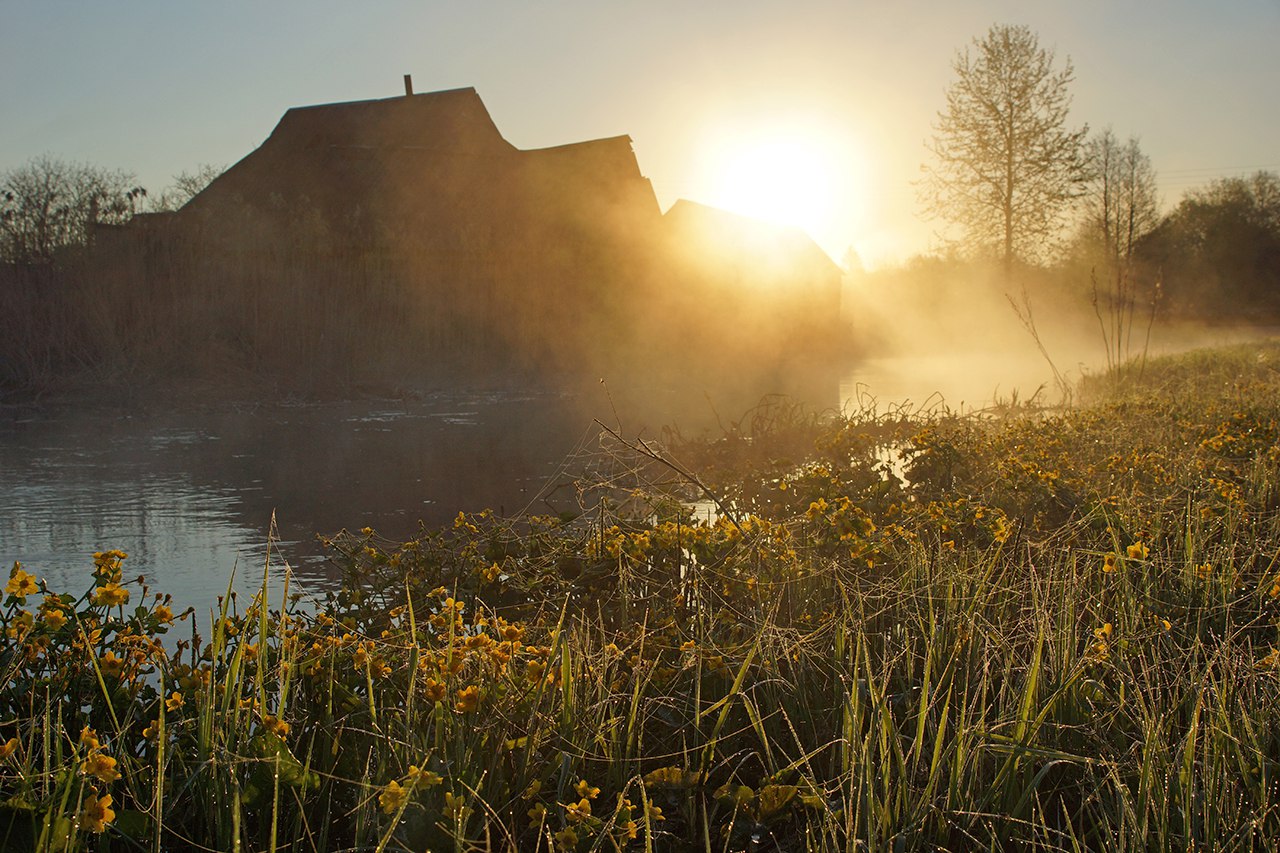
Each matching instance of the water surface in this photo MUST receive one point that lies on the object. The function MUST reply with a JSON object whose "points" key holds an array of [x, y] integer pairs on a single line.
{"points": [[190, 493]]}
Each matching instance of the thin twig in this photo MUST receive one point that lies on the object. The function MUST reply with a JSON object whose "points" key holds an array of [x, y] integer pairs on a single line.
{"points": [[645, 450]]}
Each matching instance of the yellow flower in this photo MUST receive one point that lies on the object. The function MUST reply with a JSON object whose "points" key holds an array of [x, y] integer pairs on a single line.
{"points": [[275, 725], [434, 690], [655, 813], [669, 777], [566, 839], [163, 614], [468, 699], [8, 748], [89, 738], [1137, 551], [533, 669], [1109, 563], [110, 664], [21, 624], [1103, 633], [1272, 658], [584, 789], [55, 619], [111, 595], [392, 797], [175, 701], [478, 641], [152, 731], [456, 807], [579, 811], [418, 778], [1204, 571], [96, 813], [21, 584], [102, 766], [537, 814]]}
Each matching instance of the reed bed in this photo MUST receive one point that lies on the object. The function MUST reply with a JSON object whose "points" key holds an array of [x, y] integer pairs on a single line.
{"points": [[895, 630]]}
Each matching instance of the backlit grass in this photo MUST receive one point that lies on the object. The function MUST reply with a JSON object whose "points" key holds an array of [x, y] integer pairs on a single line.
{"points": [[905, 631]]}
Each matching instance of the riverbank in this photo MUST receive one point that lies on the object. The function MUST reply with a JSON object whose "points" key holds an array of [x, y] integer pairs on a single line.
{"points": [[1053, 630]]}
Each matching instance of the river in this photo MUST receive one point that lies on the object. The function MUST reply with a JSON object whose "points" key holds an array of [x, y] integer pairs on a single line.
{"points": [[189, 492]]}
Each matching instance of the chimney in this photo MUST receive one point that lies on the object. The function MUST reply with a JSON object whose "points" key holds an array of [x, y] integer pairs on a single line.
{"points": [[408, 85]]}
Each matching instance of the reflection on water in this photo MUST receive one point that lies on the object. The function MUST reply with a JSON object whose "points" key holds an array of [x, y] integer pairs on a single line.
{"points": [[190, 495]]}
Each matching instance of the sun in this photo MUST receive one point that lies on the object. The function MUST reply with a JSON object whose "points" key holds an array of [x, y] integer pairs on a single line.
{"points": [[786, 173]]}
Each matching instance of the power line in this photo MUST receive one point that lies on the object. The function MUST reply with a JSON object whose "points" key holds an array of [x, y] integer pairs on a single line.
{"points": [[1219, 169]]}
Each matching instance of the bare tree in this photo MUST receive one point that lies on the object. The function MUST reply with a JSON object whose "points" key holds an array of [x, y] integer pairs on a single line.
{"points": [[186, 186], [1120, 202], [48, 204], [1007, 164], [1120, 206]]}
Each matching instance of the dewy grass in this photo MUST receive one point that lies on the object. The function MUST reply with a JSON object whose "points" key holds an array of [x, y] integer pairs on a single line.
{"points": [[1053, 631]]}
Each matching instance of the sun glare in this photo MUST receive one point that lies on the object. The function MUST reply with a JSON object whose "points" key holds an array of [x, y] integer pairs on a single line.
{"points": [[790, 176]]}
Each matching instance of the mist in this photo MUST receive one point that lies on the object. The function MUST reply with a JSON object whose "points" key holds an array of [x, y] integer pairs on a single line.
{"points": [[949, 331]]}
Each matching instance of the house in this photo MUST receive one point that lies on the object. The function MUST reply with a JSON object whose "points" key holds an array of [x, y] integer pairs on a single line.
{"points": [[413, 217], [434, 162]]}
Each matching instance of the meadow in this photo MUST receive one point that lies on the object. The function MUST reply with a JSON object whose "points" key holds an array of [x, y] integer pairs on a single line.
{"points": [[893, 629]]}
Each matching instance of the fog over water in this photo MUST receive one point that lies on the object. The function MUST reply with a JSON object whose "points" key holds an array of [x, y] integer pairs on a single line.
{"points": [[190, 494]]}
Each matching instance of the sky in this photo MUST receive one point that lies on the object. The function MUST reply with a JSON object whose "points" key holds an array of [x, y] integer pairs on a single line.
{"points": [[712, 93]]}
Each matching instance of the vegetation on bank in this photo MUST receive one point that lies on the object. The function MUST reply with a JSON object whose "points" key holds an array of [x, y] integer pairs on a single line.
{"points": [[902, 630]]}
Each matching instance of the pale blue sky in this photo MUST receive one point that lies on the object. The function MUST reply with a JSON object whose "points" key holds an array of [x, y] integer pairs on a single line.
{"points": [[155, 87]]}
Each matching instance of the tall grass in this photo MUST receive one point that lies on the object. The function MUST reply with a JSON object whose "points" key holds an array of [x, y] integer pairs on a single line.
{"points": [[1054, 632]]}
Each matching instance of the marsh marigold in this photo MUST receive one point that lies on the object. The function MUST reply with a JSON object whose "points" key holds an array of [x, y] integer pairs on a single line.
{"points": [[21, 583], [96, 813], [392, 797], [111, 595]]}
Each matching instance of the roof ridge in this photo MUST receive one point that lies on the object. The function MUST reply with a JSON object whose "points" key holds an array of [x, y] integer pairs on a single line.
{"points": [[406, 98]]}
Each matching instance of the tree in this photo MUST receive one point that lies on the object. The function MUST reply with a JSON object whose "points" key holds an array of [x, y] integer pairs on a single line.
{"points": [[1218, 252], [186, 186], [48, 203], [1119, 207], [1006, 163], [1120, 203]]}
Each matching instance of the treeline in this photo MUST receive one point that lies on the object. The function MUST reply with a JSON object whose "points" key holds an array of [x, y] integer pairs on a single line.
{"points": [[1217, 254], [64, 313]]}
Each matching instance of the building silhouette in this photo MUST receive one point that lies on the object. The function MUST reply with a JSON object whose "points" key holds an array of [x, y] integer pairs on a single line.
{"points": [[406, 236]]}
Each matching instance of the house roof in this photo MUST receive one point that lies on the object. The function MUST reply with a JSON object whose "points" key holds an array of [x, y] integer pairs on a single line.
{"points": [[407, 150], [450, 120]]}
